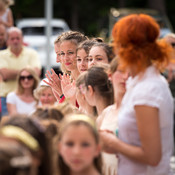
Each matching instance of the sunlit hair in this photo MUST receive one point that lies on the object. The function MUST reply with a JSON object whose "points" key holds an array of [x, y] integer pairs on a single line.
{"points": [[57, 42], [113, 65], [78, 120], [48, 113], [86, 45], [79, 85], [15, 158], [58, 38], [30, 70], [98, 39], [136, 42], [36, 130], [107, 49], [97, 77], [73, 36], [39, 90], [66, 108]]}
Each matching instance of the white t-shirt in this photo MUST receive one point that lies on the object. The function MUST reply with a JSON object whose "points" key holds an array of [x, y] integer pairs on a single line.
{"points": [[21, 106], [150, 90]]}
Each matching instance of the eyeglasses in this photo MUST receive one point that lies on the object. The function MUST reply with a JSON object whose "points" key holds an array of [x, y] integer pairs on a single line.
{"points": [[29, 77]]}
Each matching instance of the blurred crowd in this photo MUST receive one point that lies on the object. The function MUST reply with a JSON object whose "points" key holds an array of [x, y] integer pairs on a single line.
{"points": [[110, 111]]}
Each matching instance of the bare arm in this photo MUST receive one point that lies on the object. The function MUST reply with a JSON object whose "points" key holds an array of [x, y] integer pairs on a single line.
{"points": [[148, 126], [8, 74], [9, 22], [11, 109]]}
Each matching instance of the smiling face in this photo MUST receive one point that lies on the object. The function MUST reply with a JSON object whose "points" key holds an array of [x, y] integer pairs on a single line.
{"points": [[97, 55], [78, 152], [68, 55], [82, 60], [26, 80], [47, 97]]}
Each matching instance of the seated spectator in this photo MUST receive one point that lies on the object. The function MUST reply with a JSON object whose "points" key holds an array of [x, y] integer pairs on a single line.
{"points": [[44, 95], [22, 101], [13, 59]]}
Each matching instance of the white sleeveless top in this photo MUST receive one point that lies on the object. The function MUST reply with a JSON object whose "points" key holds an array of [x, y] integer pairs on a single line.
{"points": [[4, 17]]}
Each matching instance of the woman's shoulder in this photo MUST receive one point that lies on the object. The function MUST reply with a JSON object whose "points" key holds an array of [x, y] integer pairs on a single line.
{"points": [[11, 94], [109, 108], [151, 84], [11, 97]]}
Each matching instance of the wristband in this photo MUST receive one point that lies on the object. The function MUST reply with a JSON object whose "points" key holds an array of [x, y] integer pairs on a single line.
{"points": [[62, 99], [61, 96]]}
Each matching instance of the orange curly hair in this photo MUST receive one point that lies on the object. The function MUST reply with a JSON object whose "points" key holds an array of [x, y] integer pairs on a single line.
{"points": [[136, 41]]}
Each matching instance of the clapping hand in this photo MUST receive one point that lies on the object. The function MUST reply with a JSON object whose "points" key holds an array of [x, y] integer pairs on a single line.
{"points": [[54, 81], [67, 86]]}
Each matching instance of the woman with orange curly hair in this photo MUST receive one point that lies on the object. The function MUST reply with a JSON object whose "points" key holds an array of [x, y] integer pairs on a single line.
{"points": [[145, 137]]}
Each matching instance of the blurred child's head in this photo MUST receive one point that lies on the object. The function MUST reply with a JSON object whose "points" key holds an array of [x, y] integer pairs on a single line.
{"points": [[79, 145], [15, 158]]}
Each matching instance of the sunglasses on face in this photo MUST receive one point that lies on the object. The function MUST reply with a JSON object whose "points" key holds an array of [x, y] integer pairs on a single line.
{"points": [[29, 77]]}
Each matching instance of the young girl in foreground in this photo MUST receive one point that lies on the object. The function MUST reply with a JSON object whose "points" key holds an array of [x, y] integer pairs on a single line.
{"points": [[79, 146]]}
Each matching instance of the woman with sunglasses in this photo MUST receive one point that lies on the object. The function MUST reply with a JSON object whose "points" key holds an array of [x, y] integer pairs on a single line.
{"points": [[22, 100]]}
